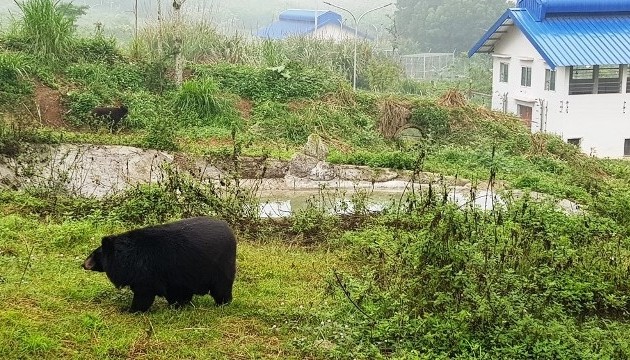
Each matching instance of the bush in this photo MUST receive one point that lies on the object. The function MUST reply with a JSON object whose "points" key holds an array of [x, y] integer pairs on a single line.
{"points": [[14, 83], [431, 119], [279, 83], [96, 49], [201, 98], [525, 281]]}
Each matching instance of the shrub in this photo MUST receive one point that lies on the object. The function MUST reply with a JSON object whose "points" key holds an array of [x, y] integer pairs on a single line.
{"points": [[200, 97], [432, 120], [96, 49], [44, 29], [523, 281], [278, 83], [14, 83]]}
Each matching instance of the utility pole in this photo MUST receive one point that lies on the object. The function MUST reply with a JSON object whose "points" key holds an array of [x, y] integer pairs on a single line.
{"points": [[356, 36]]}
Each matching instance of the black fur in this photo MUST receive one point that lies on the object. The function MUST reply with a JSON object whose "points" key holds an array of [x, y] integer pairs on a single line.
{"points": [[175, 260], [111, 115]]}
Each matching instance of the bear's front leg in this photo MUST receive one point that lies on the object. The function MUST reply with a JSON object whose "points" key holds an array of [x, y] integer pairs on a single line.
{"points": [[142, 301]]}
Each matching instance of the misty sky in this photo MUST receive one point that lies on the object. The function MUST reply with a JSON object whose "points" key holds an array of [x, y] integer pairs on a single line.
{"points": [[228, 15]]}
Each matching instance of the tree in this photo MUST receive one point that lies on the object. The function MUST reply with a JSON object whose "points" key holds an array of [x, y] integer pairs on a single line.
{"points": [[179, 57], [71, 11], [446, 25]]}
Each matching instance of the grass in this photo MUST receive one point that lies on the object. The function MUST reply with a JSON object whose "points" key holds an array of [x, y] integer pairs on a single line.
{"points": [[51, 308]]}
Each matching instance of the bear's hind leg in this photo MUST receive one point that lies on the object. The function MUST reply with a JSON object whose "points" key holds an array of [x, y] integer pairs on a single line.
{"points": [[141, 301], [221, 295], [179, 298]]}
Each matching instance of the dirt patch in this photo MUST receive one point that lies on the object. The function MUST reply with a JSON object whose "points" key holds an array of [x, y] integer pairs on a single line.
{"points": [[244, 107], [49, 106]]}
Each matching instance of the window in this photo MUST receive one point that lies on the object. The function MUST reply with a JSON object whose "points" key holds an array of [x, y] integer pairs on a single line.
{"points": [[626, 147], [550, 80], [526, 76], [503, 72], [609, 79], [582, 80], [628, 79], [575, 141], [595, 79]]}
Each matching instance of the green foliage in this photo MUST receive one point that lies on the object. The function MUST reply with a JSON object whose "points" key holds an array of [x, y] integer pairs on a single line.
{"points": [[431, 119], [259, 84], [449, 283], [161, 134], [180, 196], [107, 79], [446, 26], [71, 11], [14, 83], [96, 49], [44, 29], [383, 74], [202, 98], [202, 43]]}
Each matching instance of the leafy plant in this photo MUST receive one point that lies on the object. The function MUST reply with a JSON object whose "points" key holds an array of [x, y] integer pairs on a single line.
{"points": [[44, 29]]}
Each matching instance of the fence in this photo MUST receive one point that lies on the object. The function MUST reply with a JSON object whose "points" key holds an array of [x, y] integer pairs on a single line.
{"points": [[426, 66]]}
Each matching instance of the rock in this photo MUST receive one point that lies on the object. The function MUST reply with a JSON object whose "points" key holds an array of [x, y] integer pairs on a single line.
{"points": [[322, 171], [301, 165], [364, 173], [315, 147]]}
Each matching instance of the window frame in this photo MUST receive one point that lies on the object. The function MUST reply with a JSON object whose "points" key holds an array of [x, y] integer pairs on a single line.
{"points": [[504, 72], [581, 83], [526, 76], [550, 79]]}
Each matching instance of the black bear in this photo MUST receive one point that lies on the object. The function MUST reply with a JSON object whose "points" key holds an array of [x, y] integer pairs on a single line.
{"points": [[111, 115], [175, 260]]}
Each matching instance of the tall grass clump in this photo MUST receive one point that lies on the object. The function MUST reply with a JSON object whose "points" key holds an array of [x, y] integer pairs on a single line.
{"points": [[14, 83], [44, 30], [201, 43], [200, 97]]}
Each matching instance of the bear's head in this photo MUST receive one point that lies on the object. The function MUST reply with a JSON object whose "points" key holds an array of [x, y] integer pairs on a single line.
{"points": [[96, 260]]}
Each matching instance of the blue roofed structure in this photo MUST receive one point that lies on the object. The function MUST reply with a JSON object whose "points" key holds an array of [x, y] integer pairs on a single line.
{"points": [[563, 67], [302, 22], [568, 32]]}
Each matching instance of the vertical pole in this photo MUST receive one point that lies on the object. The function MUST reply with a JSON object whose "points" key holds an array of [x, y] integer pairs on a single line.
{"points": [[135, 31], [159, 18], [354, 66]]}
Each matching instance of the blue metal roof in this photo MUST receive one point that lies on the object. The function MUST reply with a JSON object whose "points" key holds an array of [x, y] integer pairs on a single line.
{"points": [[295, 22], [568, 32]]}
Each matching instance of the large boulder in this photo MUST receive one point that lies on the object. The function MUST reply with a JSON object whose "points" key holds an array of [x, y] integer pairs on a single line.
{"points": [[315, 147]]}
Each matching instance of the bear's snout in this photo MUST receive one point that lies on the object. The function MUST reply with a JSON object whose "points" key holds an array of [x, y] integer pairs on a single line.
{"points": [[88, 264]]}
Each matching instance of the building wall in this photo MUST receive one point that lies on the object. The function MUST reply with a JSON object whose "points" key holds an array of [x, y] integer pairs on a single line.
{"points": [[601, 121], [334, 32]]}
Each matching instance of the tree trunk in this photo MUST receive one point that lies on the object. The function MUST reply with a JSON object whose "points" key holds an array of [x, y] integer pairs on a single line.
{"points": [[179, 57]]}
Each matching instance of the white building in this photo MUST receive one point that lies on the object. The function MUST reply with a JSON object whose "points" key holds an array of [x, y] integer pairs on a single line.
{"points": [[562, 66]]}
